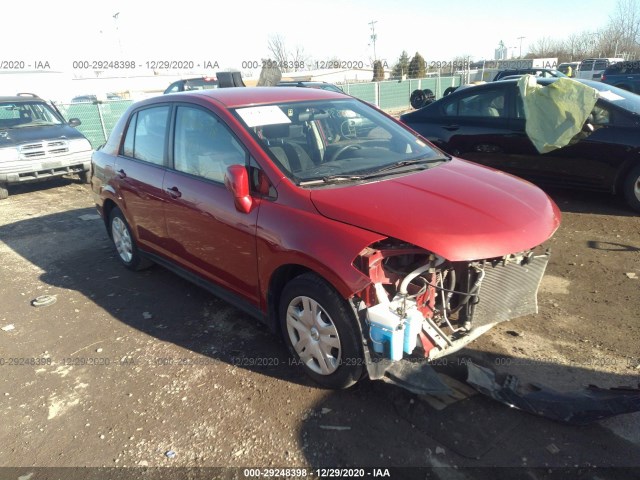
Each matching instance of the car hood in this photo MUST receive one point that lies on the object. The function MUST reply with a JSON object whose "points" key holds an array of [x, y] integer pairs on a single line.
{"points": [[458, 210], [17, 136]]}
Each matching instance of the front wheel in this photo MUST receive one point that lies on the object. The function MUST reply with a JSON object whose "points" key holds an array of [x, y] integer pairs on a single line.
{"points": [[4, 191], [84, 176], [320, 331], [631, 188], [126, 247]]}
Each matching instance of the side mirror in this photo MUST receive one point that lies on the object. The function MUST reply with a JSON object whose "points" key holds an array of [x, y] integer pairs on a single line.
{"points": [[237, 182], [74, 122], [588, 124]]}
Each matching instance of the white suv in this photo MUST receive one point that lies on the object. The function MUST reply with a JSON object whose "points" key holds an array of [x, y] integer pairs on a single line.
{"points": [[37, 143], [592, 68]]}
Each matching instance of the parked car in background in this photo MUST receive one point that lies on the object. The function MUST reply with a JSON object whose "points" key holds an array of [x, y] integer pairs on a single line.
{"points": [[96, 98], [592, 68], [322, 85], [37, 143], [486, 124], [538, 72], [625, 75], [199, 83], [569, 68], [268, 198]]}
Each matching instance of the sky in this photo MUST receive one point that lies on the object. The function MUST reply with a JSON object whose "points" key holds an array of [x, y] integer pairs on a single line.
{"points": [[228, 33]]}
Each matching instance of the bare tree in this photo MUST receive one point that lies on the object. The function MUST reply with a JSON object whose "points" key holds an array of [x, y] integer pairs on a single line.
{"points": [[288, 60], [300, 60], [622, 33], [619, 37], [278, 51]]}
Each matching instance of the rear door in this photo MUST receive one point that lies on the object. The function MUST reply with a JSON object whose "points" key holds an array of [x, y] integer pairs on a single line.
{"points": [[207, 235], [591, 162], [140, 169]]}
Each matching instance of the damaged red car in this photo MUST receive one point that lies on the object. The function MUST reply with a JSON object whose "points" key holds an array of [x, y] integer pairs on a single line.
{"points": [[356, 239]]}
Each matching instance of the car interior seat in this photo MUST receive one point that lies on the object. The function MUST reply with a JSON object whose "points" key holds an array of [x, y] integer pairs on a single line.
{"points": [[291, 155]]}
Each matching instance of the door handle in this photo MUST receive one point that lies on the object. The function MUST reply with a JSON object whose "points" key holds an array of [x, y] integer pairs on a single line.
{"points": [[121, 173], [451, 128], [173, 192]]}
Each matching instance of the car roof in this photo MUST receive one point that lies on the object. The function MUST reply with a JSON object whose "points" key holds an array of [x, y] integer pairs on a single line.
{"points": [[246, 96], [21, 98]]}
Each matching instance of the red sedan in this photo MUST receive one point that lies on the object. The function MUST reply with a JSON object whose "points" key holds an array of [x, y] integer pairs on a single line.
{"points": [[325, 218]]}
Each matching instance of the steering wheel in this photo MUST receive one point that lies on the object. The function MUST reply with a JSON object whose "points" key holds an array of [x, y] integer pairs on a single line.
{"points": [[341, 150]]}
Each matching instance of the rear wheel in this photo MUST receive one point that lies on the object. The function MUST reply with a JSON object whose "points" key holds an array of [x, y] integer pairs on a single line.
{"points": [[4, 192], [320, 331], [126, 247], [631, 188]]}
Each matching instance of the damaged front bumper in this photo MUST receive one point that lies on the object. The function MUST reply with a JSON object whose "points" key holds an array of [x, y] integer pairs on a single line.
{"points": [[420, 304], [578, 407]]}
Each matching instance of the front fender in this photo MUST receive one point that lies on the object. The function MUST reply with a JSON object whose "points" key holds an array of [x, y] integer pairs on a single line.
{"points": [[308, 239]]}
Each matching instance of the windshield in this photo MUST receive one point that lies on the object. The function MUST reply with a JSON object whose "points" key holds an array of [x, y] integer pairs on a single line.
{"points": [[334, 140], [617, 96], [27, 114]]}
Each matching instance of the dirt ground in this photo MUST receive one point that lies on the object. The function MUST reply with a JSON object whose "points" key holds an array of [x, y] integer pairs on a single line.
{"points": [[146, 370]]}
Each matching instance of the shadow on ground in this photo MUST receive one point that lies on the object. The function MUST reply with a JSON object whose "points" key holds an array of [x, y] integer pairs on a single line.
{"points": [[371, 425]]}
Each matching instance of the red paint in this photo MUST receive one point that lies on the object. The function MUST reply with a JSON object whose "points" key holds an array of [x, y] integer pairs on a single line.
{"points": [[237, 238]]}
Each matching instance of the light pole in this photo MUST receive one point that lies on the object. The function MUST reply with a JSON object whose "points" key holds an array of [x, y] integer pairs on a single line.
{"points": [[373, 37], [520, 38]]}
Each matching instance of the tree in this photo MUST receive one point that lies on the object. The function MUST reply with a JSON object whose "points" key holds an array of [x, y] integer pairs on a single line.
{"points": [[402, 65], [278, 50], [417, 67], [378, 71], [623, 30], [620, 37]]}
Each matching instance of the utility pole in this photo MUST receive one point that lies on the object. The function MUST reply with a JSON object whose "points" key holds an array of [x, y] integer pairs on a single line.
{"points": [[520, 38], [373, 37], [115, 18]]}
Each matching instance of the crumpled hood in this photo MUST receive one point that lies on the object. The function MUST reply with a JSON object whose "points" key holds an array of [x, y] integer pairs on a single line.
{"points": [[458, 210], [17, 136]]}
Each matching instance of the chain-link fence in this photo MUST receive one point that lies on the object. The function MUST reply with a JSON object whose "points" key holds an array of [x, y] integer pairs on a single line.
{"points": [[99, 118]]}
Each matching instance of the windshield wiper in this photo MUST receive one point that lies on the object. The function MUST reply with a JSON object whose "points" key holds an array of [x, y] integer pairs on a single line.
{"points": [[333, 179], [421, 162], [405, 163]]}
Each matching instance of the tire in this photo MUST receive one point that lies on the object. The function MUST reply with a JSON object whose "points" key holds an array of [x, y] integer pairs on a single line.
{"points": [[84, 177], [449, 90], [631, 188], [4, 192], [125, 245], [417, 99], [341, 343], [429, 94]]}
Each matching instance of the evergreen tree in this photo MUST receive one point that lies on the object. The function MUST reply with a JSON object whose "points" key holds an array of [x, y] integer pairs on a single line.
{"points": [[402, 66], [417, 67]]}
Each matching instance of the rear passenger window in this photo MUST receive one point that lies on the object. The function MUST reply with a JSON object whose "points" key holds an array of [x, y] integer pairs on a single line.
{"points": [[146, 135], [203, 146], [587, 65], [600, 65]]}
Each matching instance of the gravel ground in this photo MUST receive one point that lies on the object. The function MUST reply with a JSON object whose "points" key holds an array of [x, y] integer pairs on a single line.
{"points": [[146, 370]]}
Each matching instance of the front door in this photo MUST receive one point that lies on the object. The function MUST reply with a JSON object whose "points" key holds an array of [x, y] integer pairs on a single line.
{"points": [[208, 235]]}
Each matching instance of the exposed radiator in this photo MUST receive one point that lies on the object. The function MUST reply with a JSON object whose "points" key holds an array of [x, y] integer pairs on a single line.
{"points": [[509, 291]]}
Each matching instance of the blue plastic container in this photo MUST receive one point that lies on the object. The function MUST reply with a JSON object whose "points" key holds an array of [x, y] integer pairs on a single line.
{"points": [[395, 338], [412, 327]]}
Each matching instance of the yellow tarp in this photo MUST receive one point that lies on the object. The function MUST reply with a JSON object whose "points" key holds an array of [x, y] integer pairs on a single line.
{"points": [[556, 112]]}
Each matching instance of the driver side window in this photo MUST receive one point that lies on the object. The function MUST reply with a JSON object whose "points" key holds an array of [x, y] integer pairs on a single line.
{"points": [[203, 146]]}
